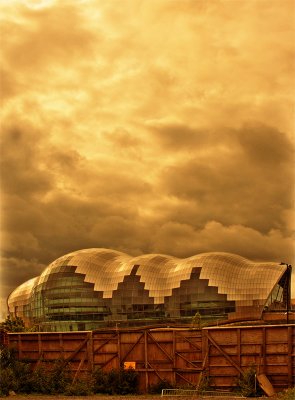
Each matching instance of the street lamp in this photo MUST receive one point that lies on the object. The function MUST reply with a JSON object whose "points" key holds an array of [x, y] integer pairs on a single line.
{"points": [[289, 270]]}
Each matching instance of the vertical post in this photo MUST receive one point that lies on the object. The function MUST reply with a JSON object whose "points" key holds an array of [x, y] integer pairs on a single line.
{"points": [[19, 346], [205, 357], [263, 349], [146, 361], [287, 289], [290, 367], [90, 352], [174, 356], [289, 266], [61, 345], [239, 346], [39, 345], [119, 346]]}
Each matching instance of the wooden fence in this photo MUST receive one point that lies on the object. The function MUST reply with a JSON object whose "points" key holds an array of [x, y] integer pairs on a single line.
{"points": [[179, 355], [271, 349]]}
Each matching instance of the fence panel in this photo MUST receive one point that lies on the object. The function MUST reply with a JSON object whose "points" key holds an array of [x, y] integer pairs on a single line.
{"points": [[269, 348], [180, 356]]}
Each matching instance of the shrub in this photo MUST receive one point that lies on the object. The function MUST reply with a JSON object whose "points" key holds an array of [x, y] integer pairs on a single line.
{"points": [[18, 376], [14, 375], [79, 388], [128, 381], [7, 357], [157, 387], [22, 377], [288, 394], [204, 384], [7, 381], [13, 324], [247, 385], [100, 381], [117, 381], [40, 380], [197, 320], [59, 377]]}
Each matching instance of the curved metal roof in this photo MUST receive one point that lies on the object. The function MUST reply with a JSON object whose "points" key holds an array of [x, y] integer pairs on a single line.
{"points": [[233, 275], [20, 296]]}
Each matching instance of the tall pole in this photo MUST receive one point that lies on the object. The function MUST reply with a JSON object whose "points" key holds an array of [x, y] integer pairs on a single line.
{"points": [[289, 290], [288, 294]]}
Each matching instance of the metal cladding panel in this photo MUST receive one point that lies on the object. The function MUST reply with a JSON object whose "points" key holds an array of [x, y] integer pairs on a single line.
{"points": [[126, 286], [20, 297], [233, 275]]}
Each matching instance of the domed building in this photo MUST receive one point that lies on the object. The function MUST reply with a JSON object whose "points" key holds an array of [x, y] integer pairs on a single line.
{"points": [[95, 288]]}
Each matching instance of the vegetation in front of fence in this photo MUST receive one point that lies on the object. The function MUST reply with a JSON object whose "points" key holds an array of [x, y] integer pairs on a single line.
{"points": [[204, 384], [13, 324], [247, 385], [288, 394], [157, 387], [117, 381], [19, 377]]}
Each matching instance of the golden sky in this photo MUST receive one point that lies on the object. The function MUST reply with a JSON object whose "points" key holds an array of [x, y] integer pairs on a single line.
{"points": [[146, 126]]}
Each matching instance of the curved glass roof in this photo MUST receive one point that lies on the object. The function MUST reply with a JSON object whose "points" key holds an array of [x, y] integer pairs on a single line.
{"points": [[24, 290], [118, 280], [232, 274]]}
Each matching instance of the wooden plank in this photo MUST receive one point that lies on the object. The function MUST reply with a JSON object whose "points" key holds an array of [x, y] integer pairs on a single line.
{"points": [[174, 357], [263, 351], [194, 345], [109, 360], [132, 347], [185, 359], [77, 350], [146, 363], [182, 377], [265, 385], [119, 347], [223, 353], [159, 346], [19, 343], [289, 361], [90, 352], [39, 345], [104, 343], [83, 358], [151, 369], [239, 346], [205, 360]]}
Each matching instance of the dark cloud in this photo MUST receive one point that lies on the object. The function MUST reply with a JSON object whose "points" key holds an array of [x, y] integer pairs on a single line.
{"points": [[186, 240], [21, 167], [247, 182], [16, 271], [122, 139], [178, 137], [222, 201], [266, 146], [56, 201]]}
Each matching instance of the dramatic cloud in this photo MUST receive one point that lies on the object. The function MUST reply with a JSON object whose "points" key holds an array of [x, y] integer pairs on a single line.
{"points": [[146, 126], [240, 177]]}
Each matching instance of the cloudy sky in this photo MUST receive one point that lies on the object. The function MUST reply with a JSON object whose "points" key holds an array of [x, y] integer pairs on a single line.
{"points": [[146, 126]]}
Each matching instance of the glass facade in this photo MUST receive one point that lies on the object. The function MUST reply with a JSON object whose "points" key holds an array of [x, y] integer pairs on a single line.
{"points": [[19, 300], [94, 288]]}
